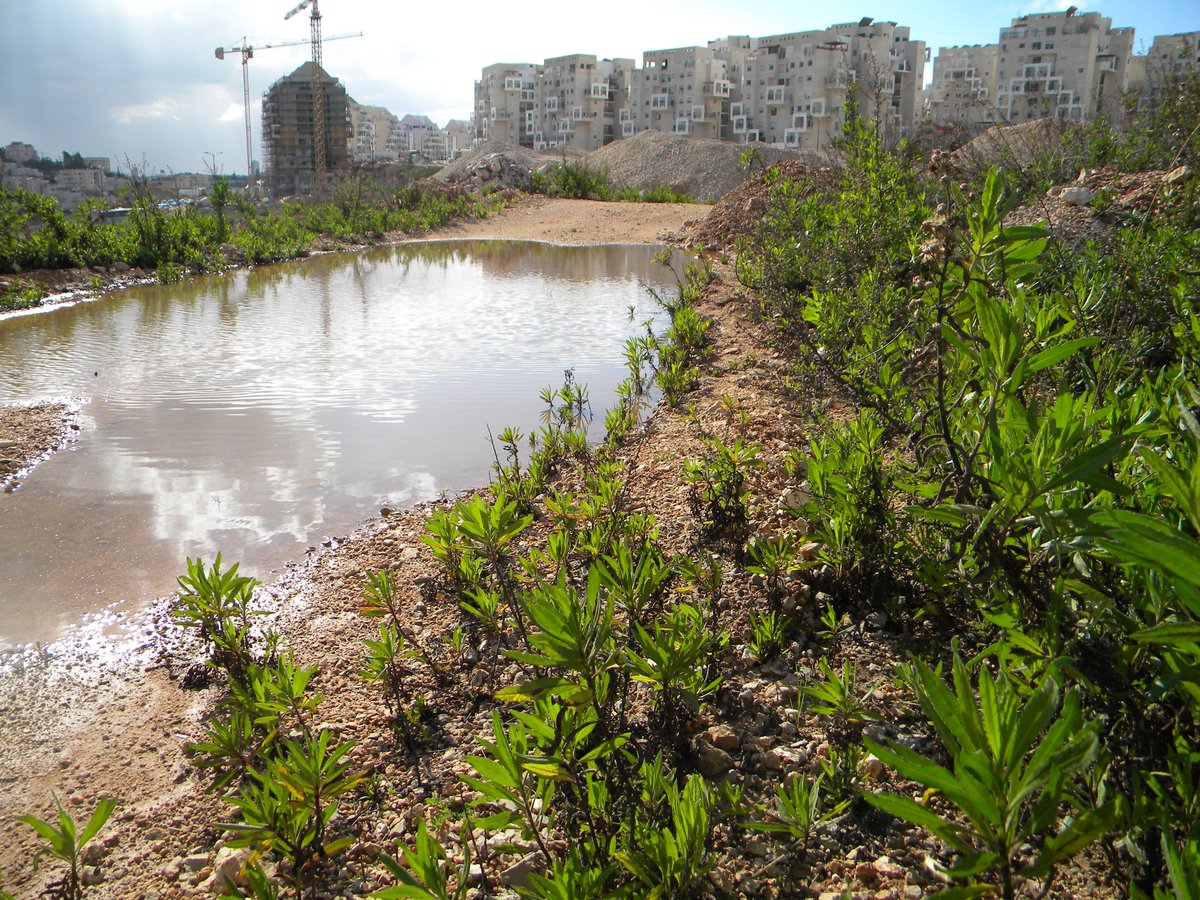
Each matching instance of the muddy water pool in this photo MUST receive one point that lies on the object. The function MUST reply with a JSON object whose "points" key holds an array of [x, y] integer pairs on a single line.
{"points": [[259, 412]]}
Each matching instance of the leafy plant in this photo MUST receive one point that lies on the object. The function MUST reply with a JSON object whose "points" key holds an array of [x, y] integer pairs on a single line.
{"points": [[797, 811], [669, 861], [673, 658], [430, 875], [1012, 761], [217, 604], [287, 807], [838, 695], [767, 635], [774, 559], [719, 491], [65, 842]]}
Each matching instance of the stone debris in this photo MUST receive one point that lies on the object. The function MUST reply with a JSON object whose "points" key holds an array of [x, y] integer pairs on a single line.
{"points": [[1098, 204]]}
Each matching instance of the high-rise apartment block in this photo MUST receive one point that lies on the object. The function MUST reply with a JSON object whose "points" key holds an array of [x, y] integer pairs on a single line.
{"points": [[788, 89], [1069, 65], [1169, 58], [289, 145], [963, 91]]}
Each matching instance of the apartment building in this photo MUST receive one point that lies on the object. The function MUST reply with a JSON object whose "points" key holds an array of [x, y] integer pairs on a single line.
{"points": [[370, 132], [17, 152], [575, 98], [289, 146], [963, 90], [789, 90], [1170, 57], [793, 88], [1070, 65], [684, 91], [504, 97], [1067, 64]]}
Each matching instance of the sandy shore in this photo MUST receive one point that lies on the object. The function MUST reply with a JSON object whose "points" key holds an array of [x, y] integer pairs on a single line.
{"points": [[573, 222]]}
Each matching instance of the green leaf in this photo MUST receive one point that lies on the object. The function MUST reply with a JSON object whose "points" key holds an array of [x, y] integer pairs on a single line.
{"points": [[103, 810], [1170, 633], [551, 770], [1053, 355], [910, 811], [1149, 542], [1088, 464]]}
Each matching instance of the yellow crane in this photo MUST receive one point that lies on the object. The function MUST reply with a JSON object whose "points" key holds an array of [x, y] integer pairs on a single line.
{"points": [[247, 52]]}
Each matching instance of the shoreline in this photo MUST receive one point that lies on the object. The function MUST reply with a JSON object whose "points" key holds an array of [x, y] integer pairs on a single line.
{"points": [[80, 724]]}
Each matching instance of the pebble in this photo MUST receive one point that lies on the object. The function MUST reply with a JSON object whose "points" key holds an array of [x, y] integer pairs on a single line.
{"points": [[712, 761], [723, 737]]}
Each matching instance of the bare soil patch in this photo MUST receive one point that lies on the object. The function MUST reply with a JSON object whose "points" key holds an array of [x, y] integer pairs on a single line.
{"points": [[29, 433], [578, 222]]}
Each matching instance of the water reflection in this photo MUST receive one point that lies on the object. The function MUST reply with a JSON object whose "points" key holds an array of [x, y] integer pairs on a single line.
{"points": [[258, 411]]}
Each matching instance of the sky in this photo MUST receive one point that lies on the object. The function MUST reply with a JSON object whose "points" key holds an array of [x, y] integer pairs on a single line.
{"points": [[138, 80]]}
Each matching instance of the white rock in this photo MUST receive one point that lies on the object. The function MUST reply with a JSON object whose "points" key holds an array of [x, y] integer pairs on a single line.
{"points": [[1077, 195]]}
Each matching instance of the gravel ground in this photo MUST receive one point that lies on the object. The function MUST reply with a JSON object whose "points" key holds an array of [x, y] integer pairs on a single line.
{"points": [[29, 432]]}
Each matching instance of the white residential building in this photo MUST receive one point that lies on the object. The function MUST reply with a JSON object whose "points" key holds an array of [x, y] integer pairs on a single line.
{"points": [[789, 90], [684, 91], [1068, 64], [1170, 57], [574, 101], [504, 97], [963, 90]]}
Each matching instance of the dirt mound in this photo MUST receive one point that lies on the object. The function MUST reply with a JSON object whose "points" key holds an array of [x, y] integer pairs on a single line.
{"points": [[741, 209], [1099, 203], [704, 169], [1013, 146], [494, 164]]}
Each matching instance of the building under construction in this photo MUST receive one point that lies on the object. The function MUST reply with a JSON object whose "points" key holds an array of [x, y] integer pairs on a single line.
{"points": [[289, 132]]}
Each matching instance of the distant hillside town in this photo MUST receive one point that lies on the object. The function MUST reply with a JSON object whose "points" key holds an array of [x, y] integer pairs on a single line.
{"points": [[792, 90], [75, 178]]}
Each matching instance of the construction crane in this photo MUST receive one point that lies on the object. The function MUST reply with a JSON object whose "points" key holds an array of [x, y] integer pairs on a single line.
{"points": [[314, 19], [247, 52]]}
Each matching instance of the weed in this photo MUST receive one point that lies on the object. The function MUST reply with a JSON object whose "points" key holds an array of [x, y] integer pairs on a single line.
{"points": [[1013, 757], [767, 635], [65, 842]]}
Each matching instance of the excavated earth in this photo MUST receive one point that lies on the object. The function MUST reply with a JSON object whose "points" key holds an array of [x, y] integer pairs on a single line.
{"points": [[83, 726]]}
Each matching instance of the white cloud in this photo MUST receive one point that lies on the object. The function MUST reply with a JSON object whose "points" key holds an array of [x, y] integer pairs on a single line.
{"points": [[163, 108], [233, 113]]}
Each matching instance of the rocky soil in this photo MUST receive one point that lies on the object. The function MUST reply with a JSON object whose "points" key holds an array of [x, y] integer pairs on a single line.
{"points": [[28, 433], [84, 727]]}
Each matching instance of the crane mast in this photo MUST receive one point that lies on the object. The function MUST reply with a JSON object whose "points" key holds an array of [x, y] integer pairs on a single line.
{"points": [[247, 53], [318, 92]]}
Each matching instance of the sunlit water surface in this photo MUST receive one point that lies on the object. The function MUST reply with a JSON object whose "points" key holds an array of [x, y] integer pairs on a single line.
{"points": [[257, 412]]}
